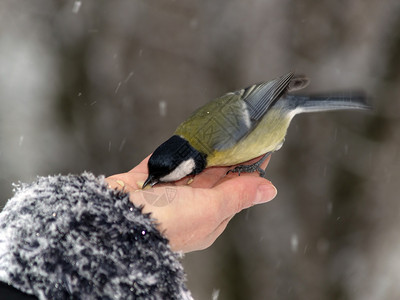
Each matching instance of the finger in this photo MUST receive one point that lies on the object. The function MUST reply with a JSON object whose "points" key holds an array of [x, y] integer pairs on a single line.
{"points": [[218, 231], [205, 242], [219, 203], [242, 192]]}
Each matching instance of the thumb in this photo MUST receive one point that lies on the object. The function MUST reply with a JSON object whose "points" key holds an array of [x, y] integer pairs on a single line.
{"points": [[243, 192]]}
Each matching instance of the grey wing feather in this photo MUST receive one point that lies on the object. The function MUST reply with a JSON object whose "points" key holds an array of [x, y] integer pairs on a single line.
{"points": [[256, 101], [260, 97]]}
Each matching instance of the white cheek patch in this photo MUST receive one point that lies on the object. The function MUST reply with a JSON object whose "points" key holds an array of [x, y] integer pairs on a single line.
{"points": [[186, 167]]}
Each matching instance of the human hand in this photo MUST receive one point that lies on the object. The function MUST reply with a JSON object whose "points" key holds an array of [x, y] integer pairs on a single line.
{"points": [[192, 216]]}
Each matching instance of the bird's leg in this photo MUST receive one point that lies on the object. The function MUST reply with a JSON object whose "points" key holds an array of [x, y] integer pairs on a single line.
{"points": [[251, 168]]}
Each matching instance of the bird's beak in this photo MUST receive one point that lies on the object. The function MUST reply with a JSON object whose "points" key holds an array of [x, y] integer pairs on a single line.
{"points": [[150, 180]]}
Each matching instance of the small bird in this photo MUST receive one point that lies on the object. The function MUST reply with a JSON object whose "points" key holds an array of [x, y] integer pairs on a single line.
{"points": [[240, 126]]}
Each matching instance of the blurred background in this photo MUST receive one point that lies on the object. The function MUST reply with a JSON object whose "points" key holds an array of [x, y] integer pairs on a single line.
{"points": [[98, 85]]}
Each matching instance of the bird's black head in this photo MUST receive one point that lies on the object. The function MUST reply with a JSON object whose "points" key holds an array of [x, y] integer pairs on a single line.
{"points": [[173, 160]]}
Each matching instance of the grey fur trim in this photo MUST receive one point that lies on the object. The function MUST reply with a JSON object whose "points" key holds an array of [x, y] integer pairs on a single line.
{"points": [[70, 237]]}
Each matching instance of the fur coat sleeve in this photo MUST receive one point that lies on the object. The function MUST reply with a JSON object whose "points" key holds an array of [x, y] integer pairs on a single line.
{"points": [[71, 237]]}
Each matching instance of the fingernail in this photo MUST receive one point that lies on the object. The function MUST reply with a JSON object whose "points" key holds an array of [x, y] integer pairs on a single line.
{"points": [[265, 193]]}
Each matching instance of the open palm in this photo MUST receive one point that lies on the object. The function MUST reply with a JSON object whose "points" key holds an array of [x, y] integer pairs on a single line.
{"points": [[193, 215]]}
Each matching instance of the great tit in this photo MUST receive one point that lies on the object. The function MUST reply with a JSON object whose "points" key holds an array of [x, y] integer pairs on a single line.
{"points": [[240, 126]]}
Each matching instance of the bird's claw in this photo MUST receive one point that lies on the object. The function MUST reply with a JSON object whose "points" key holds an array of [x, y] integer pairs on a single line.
{"points": [[247, 169]]}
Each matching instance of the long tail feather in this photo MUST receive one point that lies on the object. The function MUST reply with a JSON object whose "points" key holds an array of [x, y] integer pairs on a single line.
{"points": [[326, 102]]}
